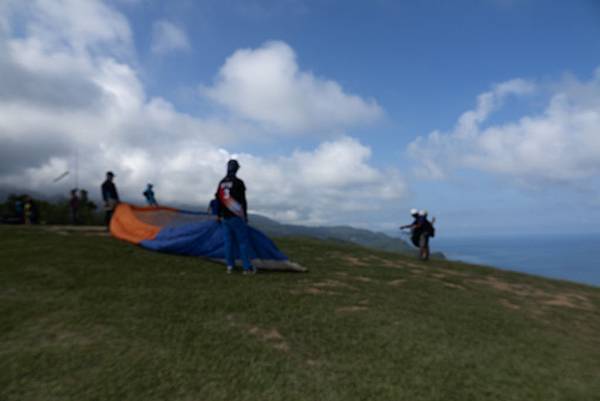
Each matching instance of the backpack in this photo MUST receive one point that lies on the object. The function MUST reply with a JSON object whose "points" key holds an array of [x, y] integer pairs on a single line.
{"points": [[428, 227]]}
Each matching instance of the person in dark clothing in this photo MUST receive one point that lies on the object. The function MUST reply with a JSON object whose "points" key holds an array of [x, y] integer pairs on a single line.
{"points": [[421, 230], [149, 195], [31, 214], [425, 231], [110, 197], [74, 206], [415, 215], [233, 215]]}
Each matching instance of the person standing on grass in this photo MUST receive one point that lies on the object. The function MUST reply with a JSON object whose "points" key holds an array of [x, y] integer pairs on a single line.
{"points": [[149, 195], [413, 226], [28, 211], [110, 197], [421, 230], [426, 231], [233, 215]]}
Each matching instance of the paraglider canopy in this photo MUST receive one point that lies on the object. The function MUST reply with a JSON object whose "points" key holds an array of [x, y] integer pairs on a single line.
{"points": [[184, 232]]}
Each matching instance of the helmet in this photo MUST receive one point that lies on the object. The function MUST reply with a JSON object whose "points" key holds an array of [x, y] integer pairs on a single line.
{"points": [[423, 212], [413, 212]]}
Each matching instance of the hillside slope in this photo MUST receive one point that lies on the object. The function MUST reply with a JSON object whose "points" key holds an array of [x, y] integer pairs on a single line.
{"points": [[86, 317]]}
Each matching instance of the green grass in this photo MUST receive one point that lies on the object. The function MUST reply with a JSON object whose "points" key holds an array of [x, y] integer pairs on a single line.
{"points": [[92, 318]]}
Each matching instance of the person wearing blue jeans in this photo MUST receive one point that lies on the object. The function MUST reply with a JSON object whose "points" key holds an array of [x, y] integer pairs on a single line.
{"points": [[233, 213], [236, 233]]}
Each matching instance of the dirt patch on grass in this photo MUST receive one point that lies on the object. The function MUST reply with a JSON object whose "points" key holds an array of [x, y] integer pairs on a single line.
{"points": [[354, 261], [522, 290], [333, 284], [568, 300], [351, 309], [455, 273], [48, 332], [271, 337], [394, 264], [574, 301], [413, 265], [454, 286], [99, 231], [9, 292], [362, 279], [97, 234], [396, 283], [507, 304], [313, 291]]}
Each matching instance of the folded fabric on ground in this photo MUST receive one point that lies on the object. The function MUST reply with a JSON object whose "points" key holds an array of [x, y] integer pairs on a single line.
{"points": [[182, 232]]}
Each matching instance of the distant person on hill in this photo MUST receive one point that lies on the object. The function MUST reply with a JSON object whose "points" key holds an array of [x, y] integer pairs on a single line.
{"points": [[421, 230], [149, 195], [425, 231], [233, 214], [74, 204], [110, 197], [27, 211], [30, 211], [415, 215]]}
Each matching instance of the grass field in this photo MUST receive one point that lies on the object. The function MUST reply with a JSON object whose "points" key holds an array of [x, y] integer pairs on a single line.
{"points": [[91, 318]]}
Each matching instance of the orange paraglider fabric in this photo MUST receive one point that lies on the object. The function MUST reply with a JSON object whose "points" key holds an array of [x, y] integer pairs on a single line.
{"points": [[127, 226]]}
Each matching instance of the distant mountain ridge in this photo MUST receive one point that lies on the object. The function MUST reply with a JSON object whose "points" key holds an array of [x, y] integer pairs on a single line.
{"points": [[354, 235]]}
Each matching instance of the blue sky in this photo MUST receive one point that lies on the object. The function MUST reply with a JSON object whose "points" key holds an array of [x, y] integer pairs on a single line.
{"points": [[484, 112]]}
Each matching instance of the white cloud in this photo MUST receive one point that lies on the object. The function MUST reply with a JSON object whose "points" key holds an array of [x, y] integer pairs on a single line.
{"points": [[332, 182], [168, 37], [559, 145], [78, 96], [265, 85]]}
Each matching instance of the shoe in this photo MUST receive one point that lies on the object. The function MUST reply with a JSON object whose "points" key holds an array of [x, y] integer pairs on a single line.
{"points": [[250, 271], [229, 269]]}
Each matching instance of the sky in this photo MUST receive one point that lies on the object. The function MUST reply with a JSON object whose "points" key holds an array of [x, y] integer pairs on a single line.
{"points": [[486, 113]]}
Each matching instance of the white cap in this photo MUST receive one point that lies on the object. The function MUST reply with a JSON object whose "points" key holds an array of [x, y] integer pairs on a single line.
{"points": [[423, 212], [413, 212]]}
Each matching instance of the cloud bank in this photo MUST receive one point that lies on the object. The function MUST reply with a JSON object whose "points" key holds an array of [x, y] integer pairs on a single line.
{"points": [[265, 85], [560, 145], [70, 90]]}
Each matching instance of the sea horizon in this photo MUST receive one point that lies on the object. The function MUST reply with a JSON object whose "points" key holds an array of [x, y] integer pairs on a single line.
{"points": [[564, 256]]}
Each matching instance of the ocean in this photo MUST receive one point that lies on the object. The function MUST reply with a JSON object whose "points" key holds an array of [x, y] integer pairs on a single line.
{"points": [[563, 256]]}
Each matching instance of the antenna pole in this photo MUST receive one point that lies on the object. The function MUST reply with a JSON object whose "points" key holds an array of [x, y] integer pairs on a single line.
{"points": [[76, 166]]}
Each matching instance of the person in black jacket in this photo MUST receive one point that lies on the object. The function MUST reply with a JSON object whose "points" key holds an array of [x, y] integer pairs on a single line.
{"points": [[421, 230], [233, 214], [110, 197]]}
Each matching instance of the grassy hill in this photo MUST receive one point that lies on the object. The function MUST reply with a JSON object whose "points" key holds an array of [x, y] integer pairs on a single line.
{"points": [[85, 317]]}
